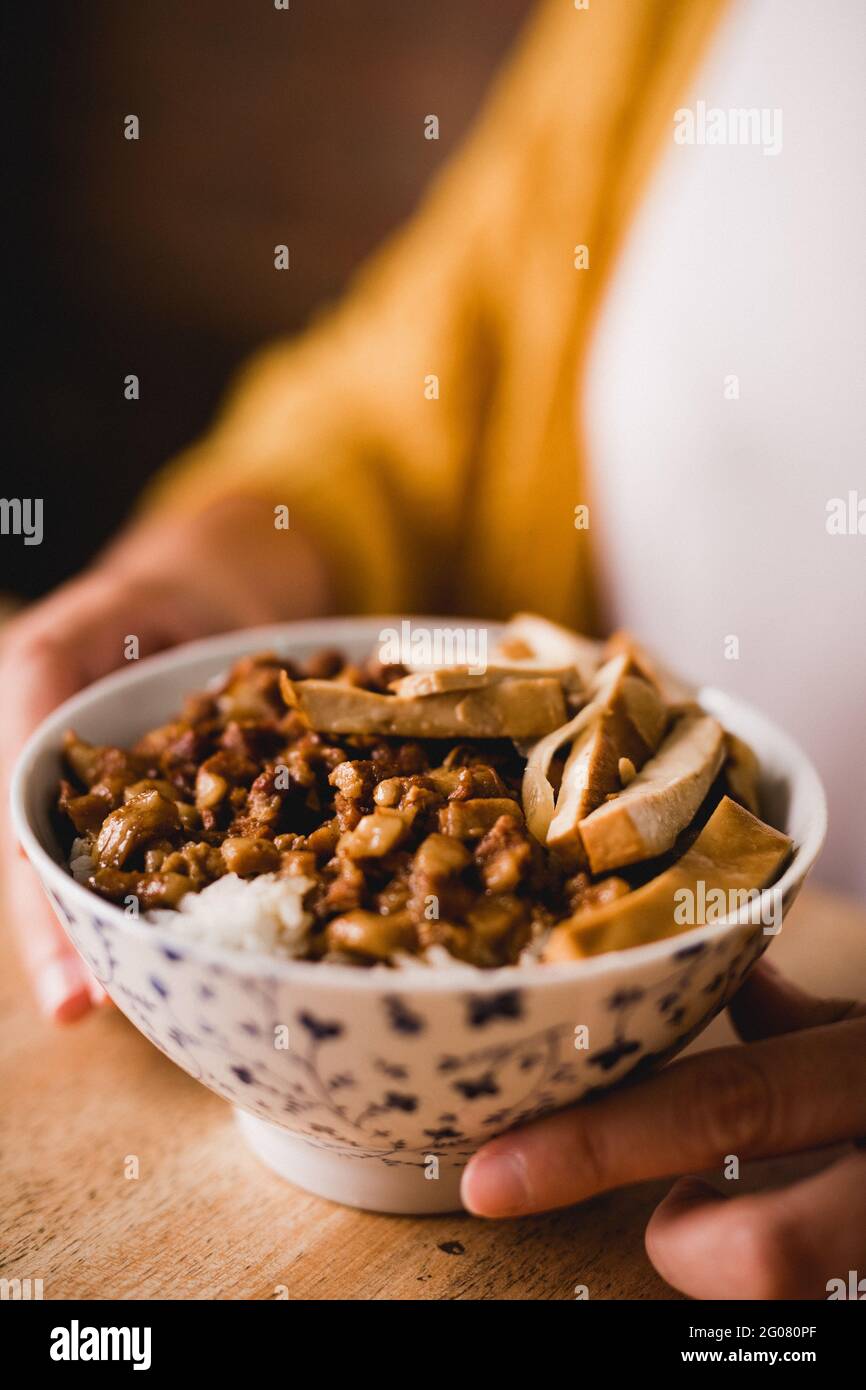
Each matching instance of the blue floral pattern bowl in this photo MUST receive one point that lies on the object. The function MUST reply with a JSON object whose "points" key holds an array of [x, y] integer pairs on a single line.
{"points": [[373, 1087]]}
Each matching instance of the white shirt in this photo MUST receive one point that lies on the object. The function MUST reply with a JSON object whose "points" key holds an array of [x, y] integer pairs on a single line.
{"points": [[711, 511]]}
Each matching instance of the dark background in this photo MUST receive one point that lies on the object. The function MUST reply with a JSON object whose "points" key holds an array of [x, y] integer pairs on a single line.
{"points": [[155, 257]]}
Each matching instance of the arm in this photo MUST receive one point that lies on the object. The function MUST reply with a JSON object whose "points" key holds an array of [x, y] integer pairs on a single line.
{"points": [[336, 424], [467, 501]]}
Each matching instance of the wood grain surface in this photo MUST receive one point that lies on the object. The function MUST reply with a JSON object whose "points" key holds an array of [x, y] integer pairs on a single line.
{"points": [[204, 1220]]}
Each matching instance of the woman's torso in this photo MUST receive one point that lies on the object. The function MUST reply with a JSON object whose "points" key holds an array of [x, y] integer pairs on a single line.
{"points": [[724, 399]]}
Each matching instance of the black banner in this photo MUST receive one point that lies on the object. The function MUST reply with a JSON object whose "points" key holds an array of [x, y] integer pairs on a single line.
{"points": [[64, 1338]]}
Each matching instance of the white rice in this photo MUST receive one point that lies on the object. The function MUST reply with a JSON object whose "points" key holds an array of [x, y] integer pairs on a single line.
{"points": [[81, 865], [258, 914]]}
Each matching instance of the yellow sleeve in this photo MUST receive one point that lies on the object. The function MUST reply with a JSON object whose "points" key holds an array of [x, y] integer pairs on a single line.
{"points": [[411, 489]]}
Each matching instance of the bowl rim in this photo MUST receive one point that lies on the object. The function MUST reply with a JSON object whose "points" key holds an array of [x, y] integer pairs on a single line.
{"points": [[413, 981]]}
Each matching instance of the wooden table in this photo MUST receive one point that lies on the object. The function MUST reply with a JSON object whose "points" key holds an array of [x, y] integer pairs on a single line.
{"points": [[205, 1221]]}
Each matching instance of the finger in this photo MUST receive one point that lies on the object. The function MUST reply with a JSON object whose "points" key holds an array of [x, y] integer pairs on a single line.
{"points": [[68, 640], [59, 978], [786, 1244], [63, 986], [43, 668], [773, 1097], [768, 1004]]}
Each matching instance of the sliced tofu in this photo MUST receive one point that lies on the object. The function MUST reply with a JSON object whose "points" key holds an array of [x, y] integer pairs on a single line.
{"points": [[678, 694], [735, 853], [742, 773], [528, 637], [442, 679], [516, 707], [645, 819], [529, 646], [537, 791], [630, 726]]}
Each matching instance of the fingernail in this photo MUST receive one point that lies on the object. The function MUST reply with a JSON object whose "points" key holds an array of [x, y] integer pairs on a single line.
{"points": [[494, 1184], [62, 991]]}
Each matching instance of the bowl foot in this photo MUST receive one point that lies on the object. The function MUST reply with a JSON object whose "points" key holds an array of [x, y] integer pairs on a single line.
{"points": [[368, 1183]]}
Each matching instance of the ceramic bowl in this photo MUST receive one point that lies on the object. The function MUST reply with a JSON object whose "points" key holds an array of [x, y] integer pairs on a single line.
{"points": [[373, 1088]]}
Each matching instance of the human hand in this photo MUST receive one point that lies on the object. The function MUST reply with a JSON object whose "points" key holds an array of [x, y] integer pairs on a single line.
{"points": [[166, 581], [802, 1086]]}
